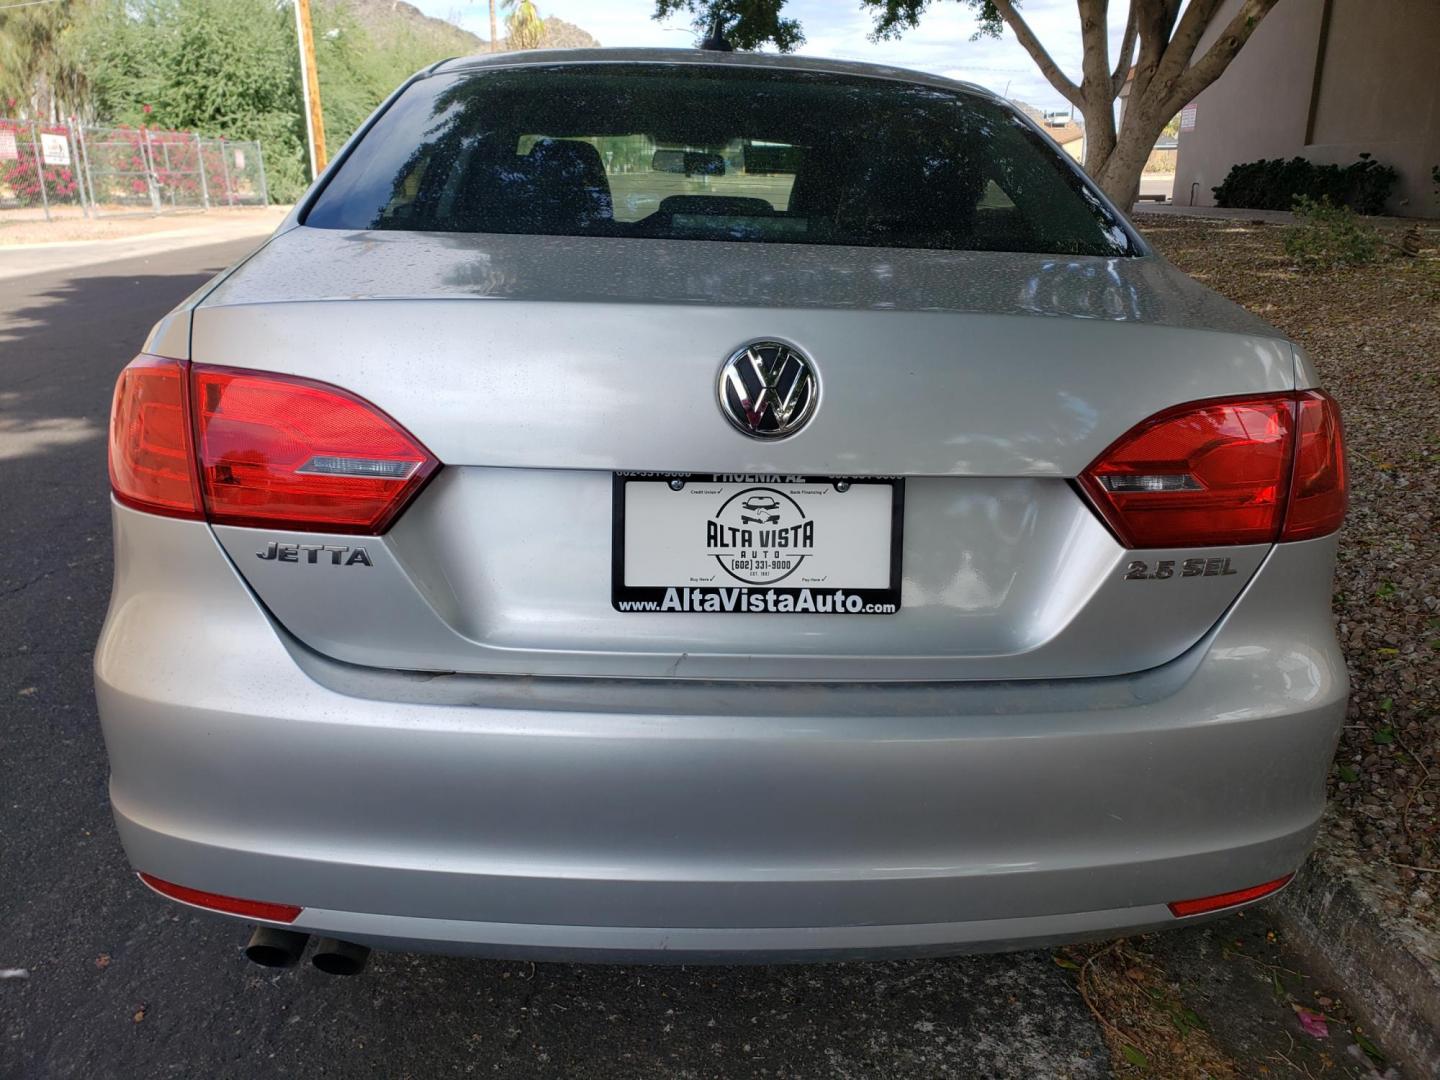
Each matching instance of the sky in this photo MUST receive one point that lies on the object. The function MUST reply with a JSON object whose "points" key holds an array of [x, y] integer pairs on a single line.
{"points": [[840, 28]]}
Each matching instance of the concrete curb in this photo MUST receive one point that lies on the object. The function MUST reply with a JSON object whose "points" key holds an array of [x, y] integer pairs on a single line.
{"points": [[27, 261], [1268, 217], [51, 245], [1334, 919]]}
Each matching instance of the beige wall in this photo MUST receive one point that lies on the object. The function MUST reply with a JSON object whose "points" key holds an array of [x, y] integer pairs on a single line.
{"points": [[1379, 92]]}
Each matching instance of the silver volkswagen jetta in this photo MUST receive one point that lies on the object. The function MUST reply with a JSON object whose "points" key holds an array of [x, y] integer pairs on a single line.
{"points": [[679, 505]]}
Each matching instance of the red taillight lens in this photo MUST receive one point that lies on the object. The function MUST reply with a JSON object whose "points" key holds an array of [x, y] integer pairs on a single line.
{"points": [[150, 460], [1220, 472], [1220, 901], [1319, 493], [283, 451], [271, 450], [231, 905]]}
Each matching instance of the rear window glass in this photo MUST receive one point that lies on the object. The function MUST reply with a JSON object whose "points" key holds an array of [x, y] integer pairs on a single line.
{"points": [[698, 152]]}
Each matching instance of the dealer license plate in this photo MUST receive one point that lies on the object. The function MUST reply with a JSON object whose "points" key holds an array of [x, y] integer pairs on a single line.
{"points": [[760, 544]]}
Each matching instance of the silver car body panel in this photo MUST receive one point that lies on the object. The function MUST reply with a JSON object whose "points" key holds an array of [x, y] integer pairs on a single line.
{"points": [[381, 265], [787, 62], [513, 358], [1037, 589], [463, 747], [553, 803]]}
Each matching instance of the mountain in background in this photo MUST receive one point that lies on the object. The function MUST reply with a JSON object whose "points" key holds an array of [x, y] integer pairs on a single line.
{"points": [[388, 19], [560, 34]]}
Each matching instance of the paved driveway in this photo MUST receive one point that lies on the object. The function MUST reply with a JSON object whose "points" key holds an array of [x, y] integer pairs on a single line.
{"points": [[119, 983]]}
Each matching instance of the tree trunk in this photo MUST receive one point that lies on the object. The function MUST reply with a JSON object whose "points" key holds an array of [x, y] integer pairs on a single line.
{"points": [[1120, 176], [493, 32], [1099, 136]]}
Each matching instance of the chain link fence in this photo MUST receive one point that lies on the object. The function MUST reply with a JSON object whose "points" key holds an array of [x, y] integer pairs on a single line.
{"points": [[66, 169], [37, 168]]}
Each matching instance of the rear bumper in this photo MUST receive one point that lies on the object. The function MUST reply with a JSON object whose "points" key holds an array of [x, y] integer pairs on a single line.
{"points": [[708, 944], [622, 819]]}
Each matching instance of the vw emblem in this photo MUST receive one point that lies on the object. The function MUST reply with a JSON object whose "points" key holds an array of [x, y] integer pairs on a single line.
{"points": [[768, 390]]}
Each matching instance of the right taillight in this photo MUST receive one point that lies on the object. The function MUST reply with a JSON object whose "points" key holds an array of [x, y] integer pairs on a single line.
{"points": [[1248, 470], [1319, 492]]}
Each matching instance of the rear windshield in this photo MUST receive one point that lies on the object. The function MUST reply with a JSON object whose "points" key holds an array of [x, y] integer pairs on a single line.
{"points": [[698, 152]]}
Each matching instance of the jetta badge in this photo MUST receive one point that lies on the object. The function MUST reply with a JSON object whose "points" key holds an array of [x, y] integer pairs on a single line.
{"points": [[768, 390]]}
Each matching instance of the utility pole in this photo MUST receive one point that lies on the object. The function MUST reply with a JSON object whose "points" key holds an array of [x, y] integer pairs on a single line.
{"points": [[310, 81]]}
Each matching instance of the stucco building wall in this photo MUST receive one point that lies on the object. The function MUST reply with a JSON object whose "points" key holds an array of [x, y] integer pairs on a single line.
{"points": [[1326, 80]]}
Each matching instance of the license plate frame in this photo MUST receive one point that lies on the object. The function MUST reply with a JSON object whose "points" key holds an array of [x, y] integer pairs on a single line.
{"points": [[758, 587]]}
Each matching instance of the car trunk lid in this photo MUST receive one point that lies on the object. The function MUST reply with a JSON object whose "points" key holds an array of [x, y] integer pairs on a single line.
{"points": [[537, 368]]}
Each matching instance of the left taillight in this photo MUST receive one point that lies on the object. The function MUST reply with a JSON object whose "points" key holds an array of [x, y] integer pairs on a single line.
{"points": [[254, 448], [151, 464], [282, 451]]}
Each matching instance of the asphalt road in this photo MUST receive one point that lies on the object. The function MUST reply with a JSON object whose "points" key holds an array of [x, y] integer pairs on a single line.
{"points": [[118, 983]]}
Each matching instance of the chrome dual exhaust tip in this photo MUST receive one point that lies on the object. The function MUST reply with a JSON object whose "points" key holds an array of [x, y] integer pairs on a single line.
{"points": [[273, 948]]}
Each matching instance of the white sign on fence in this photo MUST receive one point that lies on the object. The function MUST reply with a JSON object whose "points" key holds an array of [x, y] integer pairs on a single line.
{"points": [[239, 159], [9, 151], [55, 149]]}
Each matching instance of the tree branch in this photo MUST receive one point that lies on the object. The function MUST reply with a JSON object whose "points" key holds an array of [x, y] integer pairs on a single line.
{"points": [[1095, 36], [1127, 49], [1210, 66], [1193, 24], [1154, 19], [1023, 34]]}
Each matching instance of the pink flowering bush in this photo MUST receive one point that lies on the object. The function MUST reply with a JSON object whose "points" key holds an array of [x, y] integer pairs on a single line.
{"points": [[22, 177], [124, 163]]}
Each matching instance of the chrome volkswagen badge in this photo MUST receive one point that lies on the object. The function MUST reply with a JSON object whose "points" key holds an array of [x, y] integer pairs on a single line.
{"points": [[768, 390]]}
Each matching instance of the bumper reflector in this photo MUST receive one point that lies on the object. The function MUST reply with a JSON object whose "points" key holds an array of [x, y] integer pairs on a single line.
{"points": [[1182, 908], [231, 905]]}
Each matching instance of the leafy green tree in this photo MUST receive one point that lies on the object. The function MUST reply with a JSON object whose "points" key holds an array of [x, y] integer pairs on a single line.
{"points": [[1157, 66], [358, 68], [746, 24], [39, 72], [220, 67], [217, 67]]}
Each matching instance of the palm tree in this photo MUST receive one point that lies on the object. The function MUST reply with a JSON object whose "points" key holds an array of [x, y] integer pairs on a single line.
{"points": [[494, 34], [524, 25]]}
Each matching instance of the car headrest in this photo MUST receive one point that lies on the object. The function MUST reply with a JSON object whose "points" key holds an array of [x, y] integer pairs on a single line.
{"points": [[725, 205], [569, 188]]}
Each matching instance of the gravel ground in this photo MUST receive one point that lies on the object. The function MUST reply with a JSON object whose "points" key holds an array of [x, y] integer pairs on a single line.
{"points": [[1374, 333]]}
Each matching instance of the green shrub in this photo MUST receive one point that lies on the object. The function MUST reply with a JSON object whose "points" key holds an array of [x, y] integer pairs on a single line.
{"points": [[229, 67], [1327, 236], [1275, 184]]}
